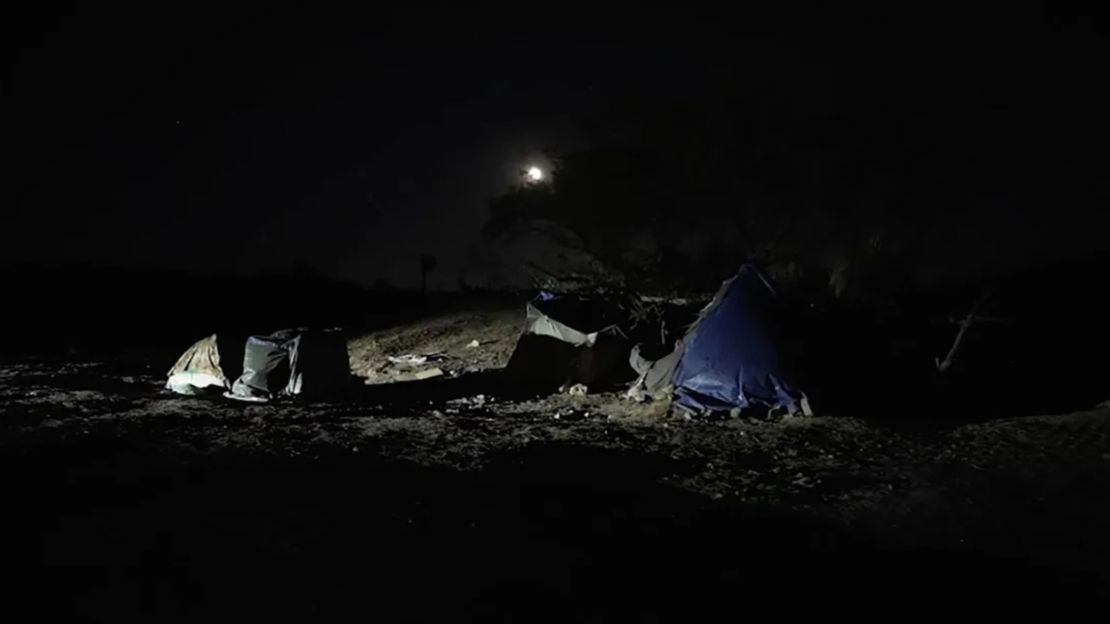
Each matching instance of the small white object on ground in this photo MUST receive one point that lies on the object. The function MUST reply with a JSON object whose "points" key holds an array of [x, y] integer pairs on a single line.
{"points": [[407, 361], [477, 400], [428, 374], [578, 390], [473, 344]]}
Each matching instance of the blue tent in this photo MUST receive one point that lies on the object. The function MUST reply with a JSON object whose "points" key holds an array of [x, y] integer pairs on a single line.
{"points": [[730, 358]]}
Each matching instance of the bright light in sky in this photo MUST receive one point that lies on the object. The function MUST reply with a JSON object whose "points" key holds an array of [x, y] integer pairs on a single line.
{"points": [[535, 174]]}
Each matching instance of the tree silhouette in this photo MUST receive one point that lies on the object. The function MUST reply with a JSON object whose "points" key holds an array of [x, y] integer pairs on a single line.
{"points": [[687, 192]]}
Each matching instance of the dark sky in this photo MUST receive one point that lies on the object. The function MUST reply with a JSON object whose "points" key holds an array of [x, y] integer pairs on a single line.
{"points": [[245, 139]]}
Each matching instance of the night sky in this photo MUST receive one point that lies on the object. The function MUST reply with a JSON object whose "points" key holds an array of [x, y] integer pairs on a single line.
{"points": [[250, 139]]}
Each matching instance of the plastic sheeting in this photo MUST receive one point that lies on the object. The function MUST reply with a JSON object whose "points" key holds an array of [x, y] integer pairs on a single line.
{"points": [[201, 362], [730, 358], [566, 341], [654, 381], [196, 383], [265, 367], [537, 323], [211, 363]]}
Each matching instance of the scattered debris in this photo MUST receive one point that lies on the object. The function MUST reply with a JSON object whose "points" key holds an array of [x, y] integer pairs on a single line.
{"points": [[572, 415], [477, 400], [801, 480], [408, 375], [428, 374], [407, 361]]}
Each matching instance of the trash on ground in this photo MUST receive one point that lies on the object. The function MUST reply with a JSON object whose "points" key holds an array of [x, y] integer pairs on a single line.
{"points": [[408, 360], [477, 400], [428, 374], [407, 375]]}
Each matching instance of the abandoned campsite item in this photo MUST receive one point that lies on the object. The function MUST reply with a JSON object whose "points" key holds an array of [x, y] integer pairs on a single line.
{"points": [[290, 362], [729, 358], [570, 340]]}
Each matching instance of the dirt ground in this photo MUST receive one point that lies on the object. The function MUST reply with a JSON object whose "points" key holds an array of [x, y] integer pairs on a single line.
{"points": [[442, 499], [446, 337]]}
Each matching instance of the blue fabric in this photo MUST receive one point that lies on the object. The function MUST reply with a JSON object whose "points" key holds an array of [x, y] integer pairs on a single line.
{"points": [[730, 359]]}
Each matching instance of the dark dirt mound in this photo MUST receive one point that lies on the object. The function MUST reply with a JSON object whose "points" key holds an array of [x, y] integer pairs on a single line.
{"points": [[431, 503]]}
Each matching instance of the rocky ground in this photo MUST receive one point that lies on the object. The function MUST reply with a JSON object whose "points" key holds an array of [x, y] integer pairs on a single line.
{"points": [[445, 499]]}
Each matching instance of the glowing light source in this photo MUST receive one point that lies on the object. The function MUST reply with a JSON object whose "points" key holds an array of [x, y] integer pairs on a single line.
{"points": [[534, 174]]}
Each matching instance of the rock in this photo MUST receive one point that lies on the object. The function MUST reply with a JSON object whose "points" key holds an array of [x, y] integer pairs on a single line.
{"points": [[578, 390], [473, 344]]}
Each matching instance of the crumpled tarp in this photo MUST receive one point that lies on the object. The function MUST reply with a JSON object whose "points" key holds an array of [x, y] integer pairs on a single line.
{"points": [[265, 367], [567, 341], [198, 369], [294, 362], [537, 323]]}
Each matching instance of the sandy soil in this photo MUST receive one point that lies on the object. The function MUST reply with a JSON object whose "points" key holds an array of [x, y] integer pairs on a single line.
{"points": [[443, 500], [446, 337]]}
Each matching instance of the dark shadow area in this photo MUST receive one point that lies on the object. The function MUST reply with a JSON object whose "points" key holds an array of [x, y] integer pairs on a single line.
{"points": [[544, 364], [1039, 350], [67, 309], [105, 529]]}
